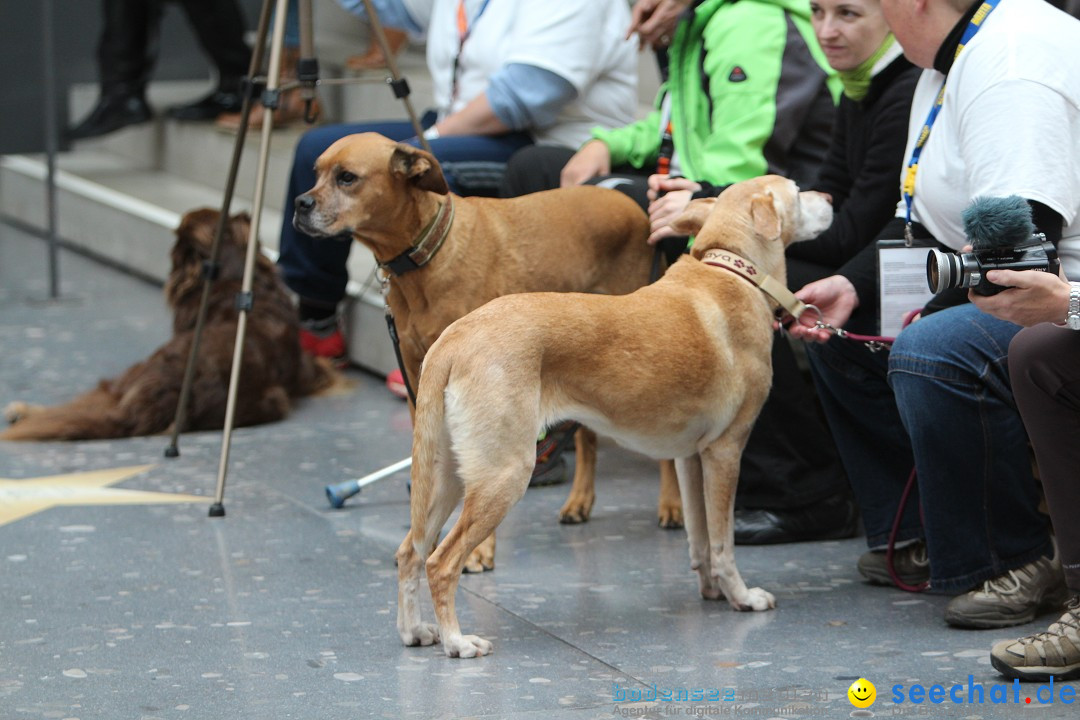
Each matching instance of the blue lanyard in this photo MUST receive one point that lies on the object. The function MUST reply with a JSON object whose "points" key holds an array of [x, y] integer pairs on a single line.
{"points": [[908, 189]]}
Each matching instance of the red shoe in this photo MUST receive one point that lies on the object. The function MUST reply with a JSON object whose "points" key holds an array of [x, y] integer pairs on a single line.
{"points": [[395, 383], [328, 345]]}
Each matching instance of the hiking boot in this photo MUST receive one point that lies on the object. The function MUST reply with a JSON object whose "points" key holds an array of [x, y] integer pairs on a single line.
{"points": [[1054, 653], [550, 467], [1016, 597], [552, 471], [911, 563], [323, 338]]}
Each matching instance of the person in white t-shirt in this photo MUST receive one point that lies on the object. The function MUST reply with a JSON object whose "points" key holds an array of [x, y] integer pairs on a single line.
{"points": [[506, 74], [941, 400]]}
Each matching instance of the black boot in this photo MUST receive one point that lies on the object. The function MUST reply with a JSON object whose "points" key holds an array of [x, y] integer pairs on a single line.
{"points": [[833, 518], [226, 99], [112, 112]]}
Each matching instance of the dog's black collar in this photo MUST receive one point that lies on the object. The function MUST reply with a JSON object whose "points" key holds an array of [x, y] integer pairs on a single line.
{"points": [[430, 240]]}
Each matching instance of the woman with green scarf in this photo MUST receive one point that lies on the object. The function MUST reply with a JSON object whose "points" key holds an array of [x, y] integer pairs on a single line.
{"points": [[862, 168], [861, 171]]}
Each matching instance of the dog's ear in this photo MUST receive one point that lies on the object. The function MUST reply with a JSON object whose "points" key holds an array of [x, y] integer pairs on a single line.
{"points": [[194, 237], [764, 216], [419, 167], [693, 217]]}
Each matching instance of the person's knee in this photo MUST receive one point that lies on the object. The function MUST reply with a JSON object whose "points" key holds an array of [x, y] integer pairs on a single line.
{"points": [[312, 144]]}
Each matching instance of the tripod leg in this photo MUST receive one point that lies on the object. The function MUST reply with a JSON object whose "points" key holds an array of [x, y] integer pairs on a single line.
{"points": [[244, 300], [172, 450], [401, 89]]}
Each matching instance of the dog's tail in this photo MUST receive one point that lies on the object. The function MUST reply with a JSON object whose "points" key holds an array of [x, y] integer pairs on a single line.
{"points": [[90, 416], [429, 441]]}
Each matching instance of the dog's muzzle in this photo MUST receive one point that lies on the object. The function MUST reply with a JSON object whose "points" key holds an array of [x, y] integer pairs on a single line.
{"points": [[304, 207]]}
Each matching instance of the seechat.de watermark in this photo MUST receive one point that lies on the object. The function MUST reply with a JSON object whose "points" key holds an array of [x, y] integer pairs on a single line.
{"points": [[974, 693]]}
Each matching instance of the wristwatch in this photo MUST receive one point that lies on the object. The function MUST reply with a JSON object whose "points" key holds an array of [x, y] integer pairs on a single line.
{"points": [[1072, 320]]}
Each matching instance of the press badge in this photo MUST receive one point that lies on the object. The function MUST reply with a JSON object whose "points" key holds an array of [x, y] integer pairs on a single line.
{"points": [[902, 283]]}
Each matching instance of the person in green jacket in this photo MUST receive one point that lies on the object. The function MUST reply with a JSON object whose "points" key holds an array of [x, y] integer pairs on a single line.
{"points": [[748, 92]]}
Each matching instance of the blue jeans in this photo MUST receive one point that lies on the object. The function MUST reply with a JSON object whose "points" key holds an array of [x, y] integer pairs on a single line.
{"points": [[315, 269], [939, 401]]}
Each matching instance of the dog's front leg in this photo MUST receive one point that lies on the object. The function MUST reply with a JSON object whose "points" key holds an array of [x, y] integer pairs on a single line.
{"points": [[579, 502], [669, 509], [691, 488], [720, 464], [482, 557]]}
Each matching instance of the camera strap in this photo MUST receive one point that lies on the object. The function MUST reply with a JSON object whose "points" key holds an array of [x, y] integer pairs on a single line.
{"points": [[908, 187]]}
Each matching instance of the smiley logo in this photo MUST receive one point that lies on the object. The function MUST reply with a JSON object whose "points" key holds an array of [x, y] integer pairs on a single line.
{"points": [[862, 693]]}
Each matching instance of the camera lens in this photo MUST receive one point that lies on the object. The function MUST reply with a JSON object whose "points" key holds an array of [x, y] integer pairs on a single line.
{"points": [[942, 270]]}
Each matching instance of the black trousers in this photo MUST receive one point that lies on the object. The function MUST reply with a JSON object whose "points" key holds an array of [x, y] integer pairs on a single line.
{"points": [[790, 459], [1044, 369], [128, 48]]}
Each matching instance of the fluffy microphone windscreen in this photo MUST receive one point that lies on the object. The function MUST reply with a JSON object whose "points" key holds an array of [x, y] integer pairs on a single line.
{"points": [[998, 222]]}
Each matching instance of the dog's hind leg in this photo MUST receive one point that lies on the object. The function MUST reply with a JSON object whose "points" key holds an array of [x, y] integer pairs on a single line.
{"points": [[446, 491], [582, 495], [691, 487], [487, 500], [720, 463], [669, 508]]}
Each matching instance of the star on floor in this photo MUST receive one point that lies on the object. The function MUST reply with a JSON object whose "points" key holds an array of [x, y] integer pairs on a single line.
{"points": [[20, 498]]}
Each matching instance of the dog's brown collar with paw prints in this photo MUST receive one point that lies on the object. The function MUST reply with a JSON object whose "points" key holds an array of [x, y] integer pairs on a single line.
{"points": [[748, 271], [427, 244]]}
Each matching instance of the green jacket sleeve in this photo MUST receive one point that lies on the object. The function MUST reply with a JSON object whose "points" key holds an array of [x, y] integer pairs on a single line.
{"points": [[745, 47], [636, 144]]}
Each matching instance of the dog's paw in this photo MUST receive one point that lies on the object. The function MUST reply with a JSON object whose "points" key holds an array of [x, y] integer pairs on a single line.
{"points": [[573, 514], [481, 558], [669, 516], [421, 634], [757, 600], [712, 592], [467, 646], [16, 411]]}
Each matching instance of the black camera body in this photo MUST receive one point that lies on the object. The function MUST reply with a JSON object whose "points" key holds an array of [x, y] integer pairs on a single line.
{"points": [[946, 270]]}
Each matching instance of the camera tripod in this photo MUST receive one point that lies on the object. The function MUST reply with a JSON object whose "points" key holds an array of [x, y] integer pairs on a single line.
{"points": [[307, 81]]}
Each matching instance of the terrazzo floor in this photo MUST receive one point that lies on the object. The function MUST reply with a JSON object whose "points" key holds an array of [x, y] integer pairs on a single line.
{"points": [[126, 605]]}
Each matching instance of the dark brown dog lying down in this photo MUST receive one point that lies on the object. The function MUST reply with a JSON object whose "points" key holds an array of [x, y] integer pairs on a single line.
{"points": [[143, 400]]}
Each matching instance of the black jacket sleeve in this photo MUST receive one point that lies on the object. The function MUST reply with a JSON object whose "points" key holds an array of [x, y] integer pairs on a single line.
{"points": [[864, 202]]}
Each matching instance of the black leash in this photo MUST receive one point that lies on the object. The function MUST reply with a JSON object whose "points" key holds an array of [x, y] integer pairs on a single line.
{"points": [[392, 327]]}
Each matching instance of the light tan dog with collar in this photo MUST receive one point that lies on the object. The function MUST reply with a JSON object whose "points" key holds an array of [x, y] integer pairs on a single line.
{"points": [[498, 375], [453, 254]]}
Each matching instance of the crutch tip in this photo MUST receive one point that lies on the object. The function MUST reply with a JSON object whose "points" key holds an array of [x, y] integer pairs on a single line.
{"points": [[172, 451], [336, 496], [217, 510]]}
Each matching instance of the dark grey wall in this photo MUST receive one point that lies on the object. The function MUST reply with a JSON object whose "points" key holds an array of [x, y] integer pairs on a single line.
{"points": [[75, 28]]}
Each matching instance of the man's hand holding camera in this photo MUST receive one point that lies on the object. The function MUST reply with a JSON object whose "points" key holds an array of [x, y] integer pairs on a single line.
{"points": [[1032, 297]]}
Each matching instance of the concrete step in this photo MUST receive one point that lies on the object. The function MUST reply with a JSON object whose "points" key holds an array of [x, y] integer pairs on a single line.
{"points": [[121, 196]]}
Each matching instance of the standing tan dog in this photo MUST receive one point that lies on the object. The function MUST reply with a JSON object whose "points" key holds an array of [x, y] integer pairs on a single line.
{"points": [[523, 361], [447, 255]]}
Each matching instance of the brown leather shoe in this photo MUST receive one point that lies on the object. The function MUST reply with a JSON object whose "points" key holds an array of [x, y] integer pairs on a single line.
{"points": [[290, 110], [374, 59]]}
